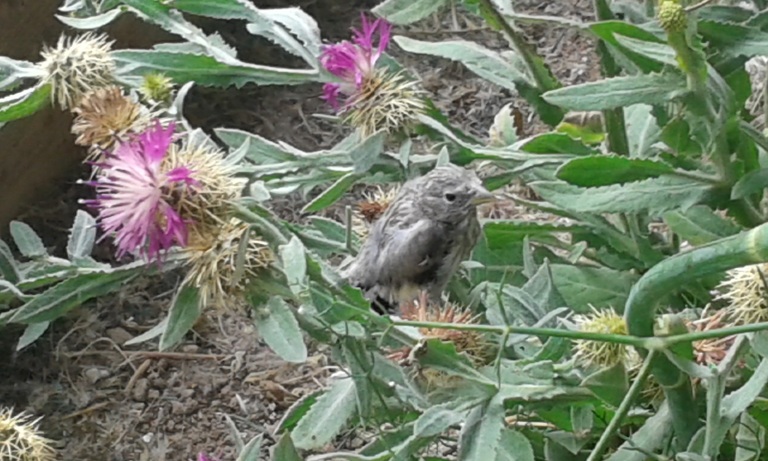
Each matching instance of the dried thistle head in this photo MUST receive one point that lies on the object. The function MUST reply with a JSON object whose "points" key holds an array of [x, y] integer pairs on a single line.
{"points": [[76, 66], [20, 439], [218, 264], [601, 353], [156, 87], [711, 351], [371, 208], [106, 115], [744, 289], [471, 342]]}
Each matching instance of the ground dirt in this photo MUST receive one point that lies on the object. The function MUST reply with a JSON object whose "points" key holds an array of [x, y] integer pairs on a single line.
{"points": [[102, 400]]}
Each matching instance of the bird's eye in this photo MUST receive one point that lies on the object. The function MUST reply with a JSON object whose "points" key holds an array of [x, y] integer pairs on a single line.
{"points": [[450, 197]]}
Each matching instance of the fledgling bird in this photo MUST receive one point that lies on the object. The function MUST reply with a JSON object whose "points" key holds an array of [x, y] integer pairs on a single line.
{"points": [[418, 243]]}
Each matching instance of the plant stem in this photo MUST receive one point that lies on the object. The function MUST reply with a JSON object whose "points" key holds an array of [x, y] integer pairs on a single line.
{"points": [[543, 79], [623, 409], [748, 247], [649, 343]]}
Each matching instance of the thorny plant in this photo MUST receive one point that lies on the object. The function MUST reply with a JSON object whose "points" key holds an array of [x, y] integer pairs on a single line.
{"points": [[632, 329]]}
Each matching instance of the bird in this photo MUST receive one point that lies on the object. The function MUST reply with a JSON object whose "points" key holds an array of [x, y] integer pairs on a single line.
{"points": [[416, 246]]}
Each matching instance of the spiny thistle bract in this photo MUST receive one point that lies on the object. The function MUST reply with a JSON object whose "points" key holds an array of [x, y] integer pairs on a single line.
{"points": [[76, 66], [212, 260], [156, 88], [602, 353], [20, 439], [744, 289], [107, 115], [373, 99], [672, 16]]}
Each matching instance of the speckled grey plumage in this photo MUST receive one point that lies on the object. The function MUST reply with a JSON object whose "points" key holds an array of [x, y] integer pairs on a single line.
{"points": [[417, 245]]}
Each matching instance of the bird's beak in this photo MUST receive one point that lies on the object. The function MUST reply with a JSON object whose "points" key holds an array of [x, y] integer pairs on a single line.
{"points": [[482, 196]]}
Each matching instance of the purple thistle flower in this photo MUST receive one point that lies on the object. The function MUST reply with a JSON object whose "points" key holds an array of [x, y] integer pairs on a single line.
{"points": [[354, 62], [134, 195]]}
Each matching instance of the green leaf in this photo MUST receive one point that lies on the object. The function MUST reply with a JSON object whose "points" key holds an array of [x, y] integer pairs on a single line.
{"points": [[700, 225], [555, 143], [297, 411], [402, 12], [203, 70], [542, 289], [734, 39], [332, 194], [481, 435], [642, 129], [611, 31], [65, 296], [31, 334], [581, 287], [27, 241], [651, 436], [269, 23], [327, 417], [91, 22], [604, 170], [8, 269], [609, 385], [365, 154], [284, 450], [513, 446], [252, 450], [82, 236], [619, 92], [280, 330], [484, 62], [739, 400], [754, 181], [294, 261], [500, 233], [24, 103], [750, 438], [435, 421], [185, 310], [653, 195], [13, 71]]}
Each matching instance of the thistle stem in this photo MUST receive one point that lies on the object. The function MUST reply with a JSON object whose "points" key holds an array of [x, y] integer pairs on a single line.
{"points": [[623, 409], [649, 343]]}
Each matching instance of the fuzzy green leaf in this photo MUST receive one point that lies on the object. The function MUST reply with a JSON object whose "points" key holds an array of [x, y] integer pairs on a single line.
{"points": [[82, 236], [734, 39], [27, 241], [281, 331], [481, 435], [503, 70], [203, 70], [619, 92], [31, 334], [327, 417], [653, 195], [332, 194], [185, 310], [642, 129], [554, 143], [699, 225], [402, 12], [284, 450], [8, 269], [651, 436], [24, 103], [513, 446], [604, 170], [582, 287], [73, 292], [752, 182]]}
